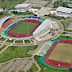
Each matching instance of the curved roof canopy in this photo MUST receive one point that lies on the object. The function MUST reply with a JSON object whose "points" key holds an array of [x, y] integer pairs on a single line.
{"points": [[44, 25], [3, 20]]}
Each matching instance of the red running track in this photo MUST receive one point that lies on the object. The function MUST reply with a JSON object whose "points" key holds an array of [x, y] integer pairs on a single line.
{"points": [[57, 64], [23, 35]]}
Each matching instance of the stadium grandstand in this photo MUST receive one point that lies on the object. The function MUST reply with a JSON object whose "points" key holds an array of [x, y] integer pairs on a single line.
{"points": [[44, 48], [6, 22], [10, 23], [43, 26]]}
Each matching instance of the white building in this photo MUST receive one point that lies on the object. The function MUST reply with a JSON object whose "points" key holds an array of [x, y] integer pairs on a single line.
{"points": [[2, 10], [22, 7], [64, 12], [33, 10]]}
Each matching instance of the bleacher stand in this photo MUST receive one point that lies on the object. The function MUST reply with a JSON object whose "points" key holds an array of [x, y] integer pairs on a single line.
{"points": [[45, 48]]}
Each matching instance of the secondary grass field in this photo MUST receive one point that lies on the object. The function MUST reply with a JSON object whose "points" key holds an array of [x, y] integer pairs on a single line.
{"points": [[16, 52], [24, 28], [62, 52], [33, 68]]}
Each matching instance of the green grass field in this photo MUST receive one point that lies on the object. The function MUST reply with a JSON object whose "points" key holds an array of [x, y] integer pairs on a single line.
{"points": [[64, 23], [18, 41], [62, 52], [33, 68], [24, 28], [16, 52]]}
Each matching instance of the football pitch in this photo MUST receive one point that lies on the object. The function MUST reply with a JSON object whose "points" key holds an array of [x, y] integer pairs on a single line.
{"points": [[24, 28], [62, 52]]}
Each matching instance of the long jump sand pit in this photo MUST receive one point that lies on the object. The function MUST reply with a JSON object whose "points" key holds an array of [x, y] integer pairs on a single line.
{"points": [[62, 52]]}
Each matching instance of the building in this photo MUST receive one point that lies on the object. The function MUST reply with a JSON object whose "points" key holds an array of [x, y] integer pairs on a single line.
{"points": [[69, 5], [2, 10], [33, 10], [22, 7], [64, 12], [46, 25]]}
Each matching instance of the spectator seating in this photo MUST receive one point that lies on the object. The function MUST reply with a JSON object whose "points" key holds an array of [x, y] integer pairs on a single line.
{"points": [[7, 23]]}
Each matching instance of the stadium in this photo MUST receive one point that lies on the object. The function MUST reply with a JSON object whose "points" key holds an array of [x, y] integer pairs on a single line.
{"points": [[23, 27]]}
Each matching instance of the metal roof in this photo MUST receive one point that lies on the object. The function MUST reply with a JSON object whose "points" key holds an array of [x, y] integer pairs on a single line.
{"points": [[44, 25], [3, 20], [22, 5], [63, 9]]}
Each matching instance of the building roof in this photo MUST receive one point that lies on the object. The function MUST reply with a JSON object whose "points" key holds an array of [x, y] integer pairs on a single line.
{"points": [[69, 5], [22, 5], [63, 9], [44, 25], [3, 20]]}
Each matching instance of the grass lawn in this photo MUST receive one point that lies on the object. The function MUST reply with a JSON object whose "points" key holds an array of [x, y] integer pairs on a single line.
{"points": [[64, 37], [56, 17], [11, 41], [64, 23], [20, 71], [0, 44], [62, 52], [35, 7], [22, 13], [33, 68], [2, 47], [64, 33], [24, 28], [45, 68], [18, 41], [60, 3], [27, 41], [12, 71], [9, 4], [16, 52], [48, 3], [2, 39], [5, 71]]}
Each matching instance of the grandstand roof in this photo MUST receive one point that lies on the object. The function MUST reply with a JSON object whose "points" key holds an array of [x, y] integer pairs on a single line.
{"points": [[3, 20], [22, 5], [44, 25], [63, 9]]}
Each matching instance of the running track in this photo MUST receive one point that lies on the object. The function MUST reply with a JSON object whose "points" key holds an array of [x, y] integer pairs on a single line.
{"points": [[23, 35], [57, 64]]}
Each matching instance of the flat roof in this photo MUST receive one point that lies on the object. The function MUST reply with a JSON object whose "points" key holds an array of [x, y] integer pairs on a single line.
{"points": [[21, 5], [63, 9]]}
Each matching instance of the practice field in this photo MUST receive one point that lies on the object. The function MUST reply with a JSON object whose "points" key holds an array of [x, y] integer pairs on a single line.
{"points": [[24, 28], [62, 52]]}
